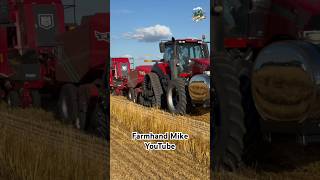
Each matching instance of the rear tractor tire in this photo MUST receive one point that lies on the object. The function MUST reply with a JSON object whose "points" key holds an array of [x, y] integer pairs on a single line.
{"points": [[176, 97], [229, 123]]}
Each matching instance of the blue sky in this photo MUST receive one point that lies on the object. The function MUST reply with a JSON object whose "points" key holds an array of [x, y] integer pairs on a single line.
{"points": [[138, 25]]}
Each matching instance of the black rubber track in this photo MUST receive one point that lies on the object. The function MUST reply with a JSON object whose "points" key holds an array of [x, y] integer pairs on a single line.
{"points": [[177, 85], [98, 115], [156, 99], [229, 121]]}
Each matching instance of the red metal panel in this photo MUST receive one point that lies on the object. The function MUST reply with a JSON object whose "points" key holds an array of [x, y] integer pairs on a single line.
{"points": [[86, 49], [5, 69], [28, 22], [99, 26]]}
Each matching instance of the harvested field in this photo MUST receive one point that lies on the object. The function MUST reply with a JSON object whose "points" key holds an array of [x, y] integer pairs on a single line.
{"points": [[279, 161], [33, 145], [189, 161], [284, 161]]}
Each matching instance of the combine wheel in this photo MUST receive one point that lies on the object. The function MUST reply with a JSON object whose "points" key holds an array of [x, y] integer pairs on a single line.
{"points": [[153, 90], [13, 99], [36, 98], [68, 103], [176, 97]]}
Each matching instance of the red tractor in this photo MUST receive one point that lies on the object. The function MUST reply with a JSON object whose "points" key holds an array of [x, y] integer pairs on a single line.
{"points": [[39, 58], [181, 79], [135, 82], [266, 71], [119, 71]]}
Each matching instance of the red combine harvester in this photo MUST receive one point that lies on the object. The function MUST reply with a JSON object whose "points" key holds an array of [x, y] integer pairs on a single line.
{"points": [[39, 57], [181, 79], [267, 76], [119, 71], [135, 82]]}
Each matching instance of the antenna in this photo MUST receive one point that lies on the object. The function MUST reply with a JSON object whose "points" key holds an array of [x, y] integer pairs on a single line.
{"points": [[73, 5]]}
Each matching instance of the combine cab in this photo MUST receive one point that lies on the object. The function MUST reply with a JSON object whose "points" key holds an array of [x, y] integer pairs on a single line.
{"points": [[181, 79], [39, 57], [266, 60], [120, 69]]}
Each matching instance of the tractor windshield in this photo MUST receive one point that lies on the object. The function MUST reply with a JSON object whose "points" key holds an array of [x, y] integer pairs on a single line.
{"points": [[187, 51], [184, 53], [191, 51]]}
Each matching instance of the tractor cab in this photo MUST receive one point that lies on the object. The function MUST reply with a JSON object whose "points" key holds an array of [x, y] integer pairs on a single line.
{"points": [[181, 78], [182, 53]]}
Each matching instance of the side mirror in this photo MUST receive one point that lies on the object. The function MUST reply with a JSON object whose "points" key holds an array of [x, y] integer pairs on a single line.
{"points": [[162, 47]]}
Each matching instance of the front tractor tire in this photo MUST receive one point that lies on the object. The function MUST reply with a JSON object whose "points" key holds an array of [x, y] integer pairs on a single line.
{"points": [[152, 90], [68, 104], [176, 96], [229, 123]]}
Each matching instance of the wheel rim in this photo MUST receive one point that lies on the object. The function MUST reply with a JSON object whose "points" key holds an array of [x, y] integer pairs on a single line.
{"points": [[130, 95], [77, 123], [173, 98], [9, 101], [64, 108]]}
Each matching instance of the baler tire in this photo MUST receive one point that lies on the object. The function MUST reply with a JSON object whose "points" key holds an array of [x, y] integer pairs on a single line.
{"points": [[36, 98], [81, 121], [68, 99], [180, 107], [156, 88], [13, 99], [99, 116], [229, 123], [140, 99]]}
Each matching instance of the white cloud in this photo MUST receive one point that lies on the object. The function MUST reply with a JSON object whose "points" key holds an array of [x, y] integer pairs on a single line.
{"points": [[150, 34], [127, 56]]}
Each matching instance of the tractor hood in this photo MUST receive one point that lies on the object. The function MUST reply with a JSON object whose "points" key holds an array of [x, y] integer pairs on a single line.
{"points": [[198, 66]]}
